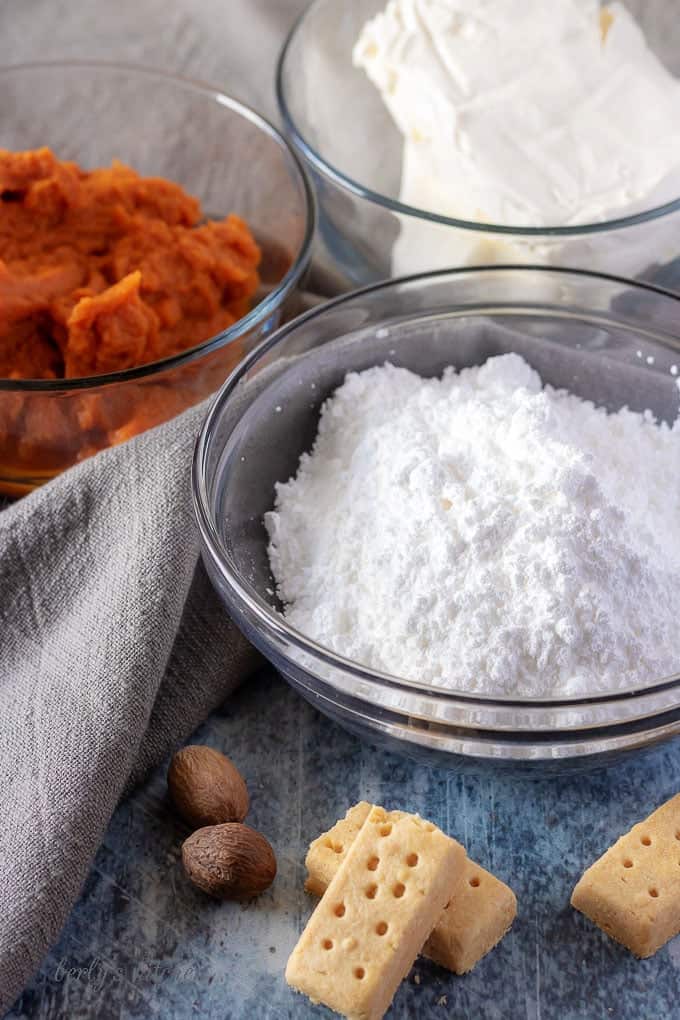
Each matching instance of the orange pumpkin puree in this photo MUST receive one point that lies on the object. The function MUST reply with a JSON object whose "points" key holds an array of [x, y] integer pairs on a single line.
{"points": [[101, 271], [105, 270]]}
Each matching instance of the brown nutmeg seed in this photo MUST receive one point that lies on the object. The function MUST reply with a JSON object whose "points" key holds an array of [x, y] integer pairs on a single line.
{"points": [[206, 787], [229, 861]]}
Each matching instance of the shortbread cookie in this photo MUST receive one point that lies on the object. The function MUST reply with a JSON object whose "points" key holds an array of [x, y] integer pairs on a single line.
{"points": [[633, 891], [326, 853], [477, 918], [389, 891]]}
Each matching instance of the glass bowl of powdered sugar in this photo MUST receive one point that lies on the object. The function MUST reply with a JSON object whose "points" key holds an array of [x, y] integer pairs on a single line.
{"points": [[445, 133], [447, 508]]}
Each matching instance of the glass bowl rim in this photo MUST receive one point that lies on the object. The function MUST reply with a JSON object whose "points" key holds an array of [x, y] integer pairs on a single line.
{"points": [[269, 620], [260, 311], [343, 180]]}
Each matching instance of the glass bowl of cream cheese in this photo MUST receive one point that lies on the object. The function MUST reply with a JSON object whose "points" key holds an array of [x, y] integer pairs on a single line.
{"points": [[445, 508], [444, 133]]}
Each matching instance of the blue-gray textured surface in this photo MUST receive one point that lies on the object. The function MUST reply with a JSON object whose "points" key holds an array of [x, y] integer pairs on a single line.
{"points": [[143, 943]]}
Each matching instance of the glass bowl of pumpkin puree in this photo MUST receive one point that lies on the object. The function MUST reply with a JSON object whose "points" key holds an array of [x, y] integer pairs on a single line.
{"points": [[152, 231]]}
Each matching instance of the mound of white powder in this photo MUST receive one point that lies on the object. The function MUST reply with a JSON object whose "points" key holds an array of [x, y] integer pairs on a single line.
{"points": [[484, 533]]}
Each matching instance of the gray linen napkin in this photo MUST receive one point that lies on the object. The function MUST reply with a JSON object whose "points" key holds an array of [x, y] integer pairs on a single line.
{"points": [[113, 648]]}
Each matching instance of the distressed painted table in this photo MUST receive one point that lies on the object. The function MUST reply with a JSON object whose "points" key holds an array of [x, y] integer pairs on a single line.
{"points": [[142, 942]]}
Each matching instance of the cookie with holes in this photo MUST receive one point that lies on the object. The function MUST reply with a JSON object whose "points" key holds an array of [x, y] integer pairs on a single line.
{"points": [[386, 897], [633, 891], [476, 919]]}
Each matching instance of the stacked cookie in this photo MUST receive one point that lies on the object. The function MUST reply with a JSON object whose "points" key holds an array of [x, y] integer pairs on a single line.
{"points": [[392, 885]]}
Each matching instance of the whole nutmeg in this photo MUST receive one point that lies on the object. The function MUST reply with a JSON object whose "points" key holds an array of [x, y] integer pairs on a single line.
{"points": [[207, 788], [230, 861]]}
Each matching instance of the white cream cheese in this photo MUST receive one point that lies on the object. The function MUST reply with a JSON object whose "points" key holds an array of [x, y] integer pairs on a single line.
{"points": [[539, 114], [546, 114]]}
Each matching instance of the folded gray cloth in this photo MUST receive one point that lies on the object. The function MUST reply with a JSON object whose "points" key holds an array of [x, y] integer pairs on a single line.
{"points": [[113, 647]]}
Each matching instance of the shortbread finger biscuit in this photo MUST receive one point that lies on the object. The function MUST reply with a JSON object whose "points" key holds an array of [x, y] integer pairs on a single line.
{"points": [[477, 918], [633, 891], [326, 853], [395, 880]]}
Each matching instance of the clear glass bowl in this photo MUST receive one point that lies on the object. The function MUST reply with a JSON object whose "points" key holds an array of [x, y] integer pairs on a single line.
{"points": [[594, 337], [218, 150], [339, 124]]}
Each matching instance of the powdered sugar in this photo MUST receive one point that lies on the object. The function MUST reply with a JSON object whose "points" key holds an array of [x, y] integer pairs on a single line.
{"points": [[483, 533]]}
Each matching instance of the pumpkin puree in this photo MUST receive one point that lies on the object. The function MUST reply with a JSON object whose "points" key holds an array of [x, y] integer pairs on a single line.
{"points": [[101, 271], [105, 270]]}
